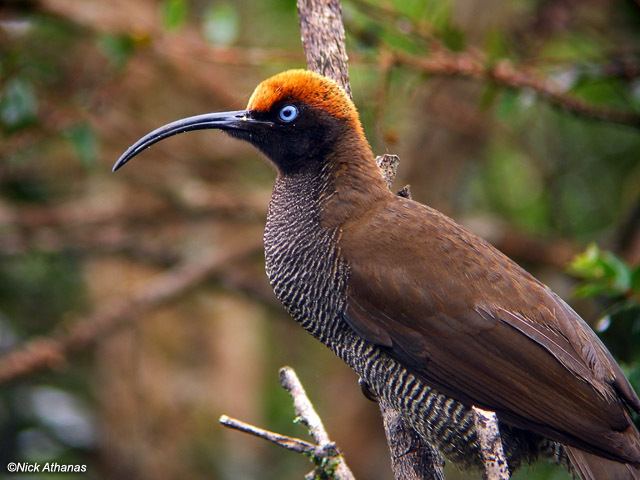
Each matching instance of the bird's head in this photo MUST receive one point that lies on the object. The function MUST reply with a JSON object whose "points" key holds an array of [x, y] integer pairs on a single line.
{"points": [[295, 118]]}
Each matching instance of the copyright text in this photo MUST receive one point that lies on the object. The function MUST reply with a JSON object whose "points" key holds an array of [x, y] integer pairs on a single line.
{"points": [[45, 467]]}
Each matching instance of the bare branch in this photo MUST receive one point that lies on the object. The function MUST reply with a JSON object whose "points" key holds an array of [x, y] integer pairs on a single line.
{"points": [[302, 405], [310, 418], [475, 66], [284, 441], [323, 39], [388, 165], [495, 463]]}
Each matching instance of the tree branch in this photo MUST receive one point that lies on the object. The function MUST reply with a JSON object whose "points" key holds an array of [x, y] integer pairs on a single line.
{"points": [[329, 462], [284, 441], [475, 66], [310, 418], [323, 39], [495, 463], [302, 405], [411, 458]]}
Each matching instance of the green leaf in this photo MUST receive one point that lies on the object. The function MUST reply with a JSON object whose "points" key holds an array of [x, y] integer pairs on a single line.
{"points": [[609, 91], [221, 24], [411, 8], [174, 13], [438, 13], [118, 49], [605, 273], [587, 264], [85, 143], [18, 104]]}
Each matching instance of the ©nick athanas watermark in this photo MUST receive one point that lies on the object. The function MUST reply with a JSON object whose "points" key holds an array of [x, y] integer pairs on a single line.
{"points": [[45, 467]]}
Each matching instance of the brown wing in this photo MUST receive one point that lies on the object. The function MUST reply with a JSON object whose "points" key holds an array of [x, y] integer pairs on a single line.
{"points": [[473, 324]]}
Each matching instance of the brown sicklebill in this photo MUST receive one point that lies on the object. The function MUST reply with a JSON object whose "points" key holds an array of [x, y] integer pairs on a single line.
{"points": [[431, 317]]}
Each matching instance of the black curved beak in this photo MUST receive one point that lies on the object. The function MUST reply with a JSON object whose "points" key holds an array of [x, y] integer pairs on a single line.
{"points": [[238, 120]]}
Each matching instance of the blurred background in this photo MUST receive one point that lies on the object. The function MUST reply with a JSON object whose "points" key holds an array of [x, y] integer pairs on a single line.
{"points": [[142, 295]]}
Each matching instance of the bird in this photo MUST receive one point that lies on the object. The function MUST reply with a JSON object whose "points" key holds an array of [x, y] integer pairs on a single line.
{"points": [[433, 319]]}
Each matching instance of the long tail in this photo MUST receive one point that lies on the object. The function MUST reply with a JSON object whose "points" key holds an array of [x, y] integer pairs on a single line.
{"points": [[591, 467]]}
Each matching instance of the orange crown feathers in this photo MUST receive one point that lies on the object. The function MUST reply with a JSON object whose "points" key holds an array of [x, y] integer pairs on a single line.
{"points": [[308, 87]]}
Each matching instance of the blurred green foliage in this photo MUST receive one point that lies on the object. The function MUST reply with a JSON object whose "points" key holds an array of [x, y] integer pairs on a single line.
{"points": [[221, 24], [174, 13], [18, 104], [29, 282], [118, 48], [85, 143]]}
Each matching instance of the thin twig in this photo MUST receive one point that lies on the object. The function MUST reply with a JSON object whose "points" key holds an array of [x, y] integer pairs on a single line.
{"points": [[495, 463], [290, 443]]}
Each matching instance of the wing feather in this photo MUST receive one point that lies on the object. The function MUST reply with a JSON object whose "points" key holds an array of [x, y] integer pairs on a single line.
{"points": [[473, 324]]}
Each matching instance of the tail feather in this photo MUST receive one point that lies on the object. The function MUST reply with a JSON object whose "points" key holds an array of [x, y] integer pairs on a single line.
{"points": [[591, 467]]}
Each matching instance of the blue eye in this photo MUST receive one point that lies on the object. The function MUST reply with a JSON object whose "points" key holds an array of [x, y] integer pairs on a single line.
{"points": [[288, 113]]}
